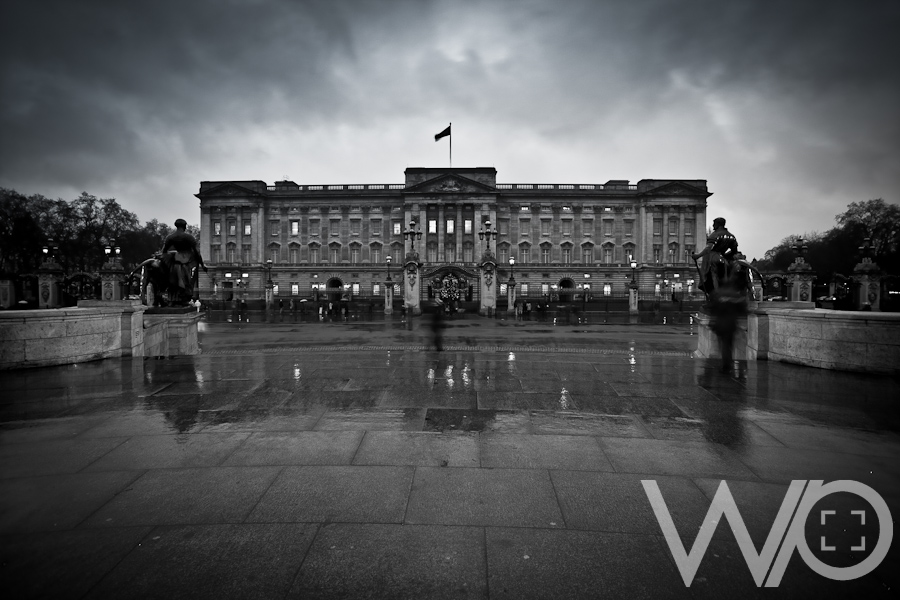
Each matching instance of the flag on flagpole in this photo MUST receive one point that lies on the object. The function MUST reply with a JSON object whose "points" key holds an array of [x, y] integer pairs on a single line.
{"points": [[444, 133]]}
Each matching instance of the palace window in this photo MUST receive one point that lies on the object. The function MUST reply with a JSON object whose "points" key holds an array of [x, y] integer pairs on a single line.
{"points": [[295, 255], [295, 227], [629, 228], [673, 227], [524, 254], [587, 227], [245, 254], [607, 227], [375, 227], [355, 226], [432, 225], [295, 289], [503, 226], [217, 227], [607, 255], [587, 255], [314, 227], [247, 228], [354, 255], [524, 288], [656, 255], [397, 252], [450, 226], [375, 253], [450, 253], [467, 226], [232, 228], [313, 254], [432, 253], [376, 289], [398, 229], [545, 255], [231, 251], [274, 227], [335, 227], [657, 226], [503, 255], [274, 253], [468, 251], [567, 255], [524, 227], [567, 227], [545, 227], [689, 228], [216, 254]]}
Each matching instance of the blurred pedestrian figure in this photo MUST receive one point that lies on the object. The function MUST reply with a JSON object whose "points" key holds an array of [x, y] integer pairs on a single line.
{"points": [[727, 304], [281, 309], [243, 315], [437, 325]]}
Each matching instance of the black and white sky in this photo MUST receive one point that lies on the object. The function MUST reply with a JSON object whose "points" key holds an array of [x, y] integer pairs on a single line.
{"points": [[790, 109]]}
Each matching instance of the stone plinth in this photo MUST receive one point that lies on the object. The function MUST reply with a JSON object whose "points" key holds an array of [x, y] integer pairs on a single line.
{"points": [[37, 338], [488, 276], [827, 339], [171, 331], [412, 282]]}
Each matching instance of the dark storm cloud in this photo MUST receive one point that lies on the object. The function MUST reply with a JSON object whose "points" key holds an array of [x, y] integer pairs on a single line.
{"points": [[119, 95]]}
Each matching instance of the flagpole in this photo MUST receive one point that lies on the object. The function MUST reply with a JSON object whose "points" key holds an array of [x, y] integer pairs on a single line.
{"points": [[451, 145]]}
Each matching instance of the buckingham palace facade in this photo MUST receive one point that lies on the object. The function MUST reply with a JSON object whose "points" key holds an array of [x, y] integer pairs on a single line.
{"points": [[296, 239]]}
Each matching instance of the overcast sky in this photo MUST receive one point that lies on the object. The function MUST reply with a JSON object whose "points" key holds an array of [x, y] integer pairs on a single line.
{"points": [[790, 109]]}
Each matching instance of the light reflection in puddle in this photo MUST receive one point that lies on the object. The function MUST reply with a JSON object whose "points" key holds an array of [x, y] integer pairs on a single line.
{"points": [[565, 400], [632, 359], [511, 363]]}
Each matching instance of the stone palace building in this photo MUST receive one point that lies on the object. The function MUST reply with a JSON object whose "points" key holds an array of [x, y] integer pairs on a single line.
{"points": [[564, 238]]}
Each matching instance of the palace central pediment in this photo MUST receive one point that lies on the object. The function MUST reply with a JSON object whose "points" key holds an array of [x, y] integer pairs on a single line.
{"points": [[676, 189], [450, 184], [228, 189]]}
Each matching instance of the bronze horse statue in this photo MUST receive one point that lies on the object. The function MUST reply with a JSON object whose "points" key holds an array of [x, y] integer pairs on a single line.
{"points": [[160, 284]]}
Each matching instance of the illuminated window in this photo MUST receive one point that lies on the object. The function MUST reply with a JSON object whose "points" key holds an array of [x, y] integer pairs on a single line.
{"points": [[432, 225], [450, 226], [217, 228], [295, 227]]}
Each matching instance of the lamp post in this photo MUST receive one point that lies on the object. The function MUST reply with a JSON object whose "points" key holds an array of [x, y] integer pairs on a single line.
{"points": [[412, 233], [585, 292], [633, 267], [486, 233], [388, 289], [511, 286], [268, 283]]}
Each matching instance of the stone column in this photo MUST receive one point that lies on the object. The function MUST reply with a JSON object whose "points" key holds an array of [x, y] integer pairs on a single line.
{"points": [[633, 299], [412, 284], [801, 275], [488, 304], [7, 293], [388, 296], [511, 295], [441, 233], [49, 277], [867, 275], [111, 275]]}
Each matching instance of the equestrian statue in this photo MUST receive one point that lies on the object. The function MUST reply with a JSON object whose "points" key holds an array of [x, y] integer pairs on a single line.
{"points": [[725, 274], [169, 277]]}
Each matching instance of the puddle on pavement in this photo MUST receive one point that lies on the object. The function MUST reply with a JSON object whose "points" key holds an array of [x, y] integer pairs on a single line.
{"points": [[446, 420]]}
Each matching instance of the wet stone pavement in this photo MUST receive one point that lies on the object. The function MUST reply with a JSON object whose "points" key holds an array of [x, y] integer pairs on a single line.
{"points": [[352, 460]]}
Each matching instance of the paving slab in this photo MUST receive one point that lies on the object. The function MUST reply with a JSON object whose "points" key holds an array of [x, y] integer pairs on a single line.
{"points": [[297, 448], [394, 561], [186, 496], [418, 449], [481, 497], [340, 494], [63, 564], [541, 563], [210, 561], [522, 451], [56, 502]]}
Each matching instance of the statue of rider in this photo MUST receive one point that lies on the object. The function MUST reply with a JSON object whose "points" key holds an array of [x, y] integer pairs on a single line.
{"points": [[181, 255], [718, 257]]}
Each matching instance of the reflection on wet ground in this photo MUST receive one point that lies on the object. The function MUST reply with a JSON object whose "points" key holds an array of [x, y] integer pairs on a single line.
{"points": [[286, 460], [661, 394]]}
